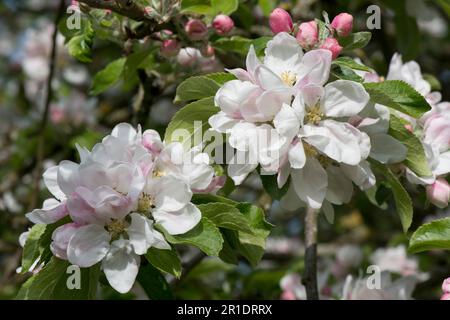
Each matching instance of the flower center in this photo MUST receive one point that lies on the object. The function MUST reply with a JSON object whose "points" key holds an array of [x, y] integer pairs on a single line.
{"points": [[145, 203], [310, 150], [159, 173], [288, 78], [116, 227], [314, 115]]}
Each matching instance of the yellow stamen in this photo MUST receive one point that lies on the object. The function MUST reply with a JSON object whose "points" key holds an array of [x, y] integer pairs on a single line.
{"points": [[158, 173], [314, 115], [145, 203], [116, 227], [288, 78], [310, 151]]}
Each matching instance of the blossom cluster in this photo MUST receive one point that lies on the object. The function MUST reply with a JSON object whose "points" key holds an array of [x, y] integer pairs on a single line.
{"points": [[116, 194]]}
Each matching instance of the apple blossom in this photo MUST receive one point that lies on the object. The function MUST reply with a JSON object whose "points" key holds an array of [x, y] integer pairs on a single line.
{"points": [[446, 285], [280, 21], [170, 47], [343, 24], [223, 24], [308, 34]]}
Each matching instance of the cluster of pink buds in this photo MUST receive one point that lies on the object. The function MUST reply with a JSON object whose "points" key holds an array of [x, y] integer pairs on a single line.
{"points": [[308, 32]]}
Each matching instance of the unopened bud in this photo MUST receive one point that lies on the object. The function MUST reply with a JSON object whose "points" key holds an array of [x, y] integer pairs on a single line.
{"points": [[222, 24], [280, 21], [308, 34], [196, 30], [343, 24], [333, 45]]}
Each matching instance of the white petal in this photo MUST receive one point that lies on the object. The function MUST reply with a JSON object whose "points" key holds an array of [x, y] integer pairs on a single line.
{"points": [[125, 132], [310, 183], [68, 176], [444, 164], [283, 53], [283, 175], [335, 140], [328, 211], [52, 211], [267, 79], [121, 266], [386, 149], [178, 222], [169, 193], [88, 246], [239, 171], [142, 235], [269, 102], [360, 174], [240, 73], [287, 122], [315, 68], [51, 182], [222, 123], [297, 157], [344, 98], [340, 188], [290, 200], [232, 95], [252, 62]]}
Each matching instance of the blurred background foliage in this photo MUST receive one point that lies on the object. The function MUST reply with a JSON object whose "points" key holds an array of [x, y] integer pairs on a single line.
{"points": [[418, 29]]}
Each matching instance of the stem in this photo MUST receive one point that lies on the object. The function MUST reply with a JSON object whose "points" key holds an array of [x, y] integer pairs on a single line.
{"points": [[310, 273]]}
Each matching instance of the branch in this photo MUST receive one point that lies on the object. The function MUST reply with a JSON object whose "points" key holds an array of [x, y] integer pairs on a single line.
{"points": [[127, 8], [310, 274]]}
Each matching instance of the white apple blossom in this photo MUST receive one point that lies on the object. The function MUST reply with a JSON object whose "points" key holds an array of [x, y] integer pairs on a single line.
{"points": [[115, 195]]}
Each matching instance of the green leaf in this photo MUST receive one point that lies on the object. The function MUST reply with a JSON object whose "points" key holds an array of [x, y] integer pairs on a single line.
{"points": [[107, 77], [324, 32], [355, 40], [403, 202], [271, 186], [196, 7], [241, 45], [416, 159], [165, 260], [154, 283], [207, 198], [352, 64], [345, 73], [398, 95], [195, 88], [190, 122], [31, 250], [433, 81], [225, 7], [430, 236], [51, 283], [204, 236], [80, 45], [225, 216], [266, 6], [407, 34], [220, 77]]}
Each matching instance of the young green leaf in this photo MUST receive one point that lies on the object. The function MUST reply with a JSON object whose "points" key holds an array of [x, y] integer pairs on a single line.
{"points": [[205, 236], [51, 283], [352, 64], [80, 45], [165, 260], [31, 250], [355, 40], [107, 77], [191, 121], [224, 7], [195, 88], [225, 216], [398, 95], [416, 159], [430, 236], [154, 283], [402, 199]]}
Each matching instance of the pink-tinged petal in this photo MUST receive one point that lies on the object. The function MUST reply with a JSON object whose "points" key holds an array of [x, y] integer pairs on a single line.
{"points": [[241, 74], [312, 95], [178, 222], [252, 62], [315, 68], [151, 140], [81, 212], [439, 193], [310, 183], [446, 285], [121, 266], [52, 211], [88, 246], [61, 237], [232, 95], [222, 123]]}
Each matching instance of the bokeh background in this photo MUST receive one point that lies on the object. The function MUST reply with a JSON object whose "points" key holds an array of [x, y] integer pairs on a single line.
{"points": [[362, 233]]}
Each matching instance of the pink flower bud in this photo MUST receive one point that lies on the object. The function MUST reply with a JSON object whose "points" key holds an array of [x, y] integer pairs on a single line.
{"points": [[208, 51], [280, 21], [439, 193], [333, 45], [170, 48], [308, 34], [446, 285], [222, 24], [445, 296], [196, 30], [343, 24]]}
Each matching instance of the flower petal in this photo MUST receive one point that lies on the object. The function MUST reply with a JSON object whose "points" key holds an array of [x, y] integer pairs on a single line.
{"points": [[142, 235], [169, 193], [51, 182], [52, 211], [315, 68], [386, 149], [88, 246], [340, 188], [344, 98], [178, 222]]}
